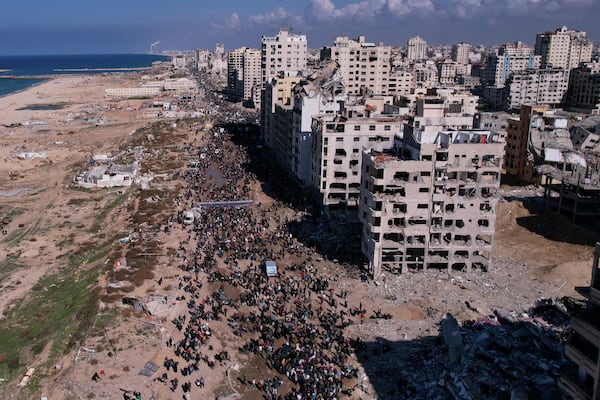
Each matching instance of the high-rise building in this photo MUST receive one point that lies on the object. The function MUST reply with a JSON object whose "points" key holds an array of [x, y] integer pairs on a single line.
{"points": [[510, 58], [537, 87], [252, 73], [460, 53], [430, 202], [363, 65], [285, 52], [416, 49], [337, 143], [563, 48], [584, 88], [235, 73]]}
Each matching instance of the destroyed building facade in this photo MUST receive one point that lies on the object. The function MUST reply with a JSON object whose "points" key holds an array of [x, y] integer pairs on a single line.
{"points": [[430, 202], [583, 382]]}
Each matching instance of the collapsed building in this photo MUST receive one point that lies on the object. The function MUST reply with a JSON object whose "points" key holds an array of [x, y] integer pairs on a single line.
{"points": [[430, 201], [582, 382]]}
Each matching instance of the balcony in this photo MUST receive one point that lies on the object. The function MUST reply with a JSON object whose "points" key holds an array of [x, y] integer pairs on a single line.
{"points": [[570, 384], [579, 358]]}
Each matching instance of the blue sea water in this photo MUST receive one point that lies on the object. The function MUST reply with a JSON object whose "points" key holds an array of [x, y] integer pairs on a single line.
{"points": [[67, 64]]}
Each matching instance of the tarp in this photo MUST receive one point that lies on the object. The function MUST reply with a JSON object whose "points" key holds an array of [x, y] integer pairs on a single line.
{"points": [[271, 268]]}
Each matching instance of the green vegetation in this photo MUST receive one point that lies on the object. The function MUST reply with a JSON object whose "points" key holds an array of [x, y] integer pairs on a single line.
{"points": [[99, 222], [59, 310], [15, 237], [8, 265]]}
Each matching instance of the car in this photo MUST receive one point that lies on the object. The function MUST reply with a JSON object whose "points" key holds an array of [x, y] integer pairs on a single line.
{"points": [[221, 298]]}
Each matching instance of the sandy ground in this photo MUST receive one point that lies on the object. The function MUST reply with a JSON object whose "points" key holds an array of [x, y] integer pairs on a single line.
{"points": [[533, 258]]}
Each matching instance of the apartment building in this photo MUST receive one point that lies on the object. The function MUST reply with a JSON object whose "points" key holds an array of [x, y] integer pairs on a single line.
{"points": [[235, 73], [364, 66], [401, 83], [563, 48], [416, 49], [583, 381], [460, 53], [285, 52], [584, 88], [509, 59], [448, 71], [252, 76], [337, 144], [430, 202], [290, 105], [276, 113], [537, 86]]}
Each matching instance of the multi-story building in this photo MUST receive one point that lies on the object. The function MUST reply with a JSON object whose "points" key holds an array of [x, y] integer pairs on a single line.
{"points": [[584, 88], [583, 381], [460, 53], [537, 87], [286, 52], [290, 105], [364, 66], [430, 202], [235, 73], [530, 139], [416, 49], [449, 70], [278, 92], [510, 58], [252, 75], [401, 83], [337, 144], [426, 75], [563, 48]]}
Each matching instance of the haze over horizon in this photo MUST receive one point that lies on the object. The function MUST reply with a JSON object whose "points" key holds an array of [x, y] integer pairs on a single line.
{"points": [[110, 26]]}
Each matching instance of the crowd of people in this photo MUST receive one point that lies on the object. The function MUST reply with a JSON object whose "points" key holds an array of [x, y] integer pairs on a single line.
{"points": [[294, 321]]}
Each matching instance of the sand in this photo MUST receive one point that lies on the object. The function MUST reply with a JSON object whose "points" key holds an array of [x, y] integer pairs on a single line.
{"points": [[48, 220]]}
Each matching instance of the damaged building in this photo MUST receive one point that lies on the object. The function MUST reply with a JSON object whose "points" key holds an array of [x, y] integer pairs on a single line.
{"points": [[430, 201], [582, 382]]}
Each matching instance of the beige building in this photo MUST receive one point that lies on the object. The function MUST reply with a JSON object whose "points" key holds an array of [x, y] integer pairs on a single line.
{"points": [[285, 52], [363, 65], [537, 87], [460, 53], [563, 48], [430, 203], [235, 73], [337, 144]]}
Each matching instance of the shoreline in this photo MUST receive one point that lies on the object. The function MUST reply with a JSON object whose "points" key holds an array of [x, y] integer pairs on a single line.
{"points": [[5, 95]]}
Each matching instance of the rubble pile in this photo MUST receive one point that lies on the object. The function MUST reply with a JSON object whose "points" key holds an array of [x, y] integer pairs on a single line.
{"points": [[502, 356]]}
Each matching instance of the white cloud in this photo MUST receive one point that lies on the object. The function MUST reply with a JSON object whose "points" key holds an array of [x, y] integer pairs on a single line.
{"points": [[405, 7], [371, 10], [233, 21]]}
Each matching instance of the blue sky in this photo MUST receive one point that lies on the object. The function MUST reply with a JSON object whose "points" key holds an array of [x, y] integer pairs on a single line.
{"points": [[121, 26]]}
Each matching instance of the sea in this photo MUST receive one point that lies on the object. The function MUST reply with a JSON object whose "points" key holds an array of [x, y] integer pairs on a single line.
{"points": [[29, 66]]}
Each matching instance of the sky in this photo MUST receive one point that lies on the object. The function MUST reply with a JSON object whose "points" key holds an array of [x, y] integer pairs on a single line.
{"points": [[131, 26]]}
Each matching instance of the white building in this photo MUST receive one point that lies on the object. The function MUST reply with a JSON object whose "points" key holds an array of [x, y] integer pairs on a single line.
{"points": [[337, 144], [537, 87], [460, 53], [290, 104], [364, 66], [285, 52], [133, 92], [416, 49], [563, 48], [430, 203]]}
